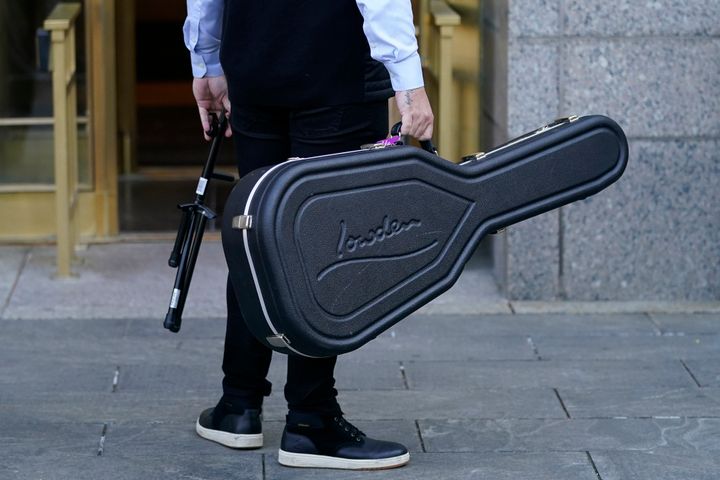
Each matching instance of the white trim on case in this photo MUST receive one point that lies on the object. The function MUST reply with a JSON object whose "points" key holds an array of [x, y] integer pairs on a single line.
{"points": [[252, 265]]}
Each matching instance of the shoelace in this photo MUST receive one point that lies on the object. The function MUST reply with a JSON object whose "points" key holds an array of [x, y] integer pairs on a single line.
{"points": [[354, 432]]}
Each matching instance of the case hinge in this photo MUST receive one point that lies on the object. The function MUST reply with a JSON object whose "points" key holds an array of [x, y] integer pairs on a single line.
{"points": [[278, 341], [242, 222]]}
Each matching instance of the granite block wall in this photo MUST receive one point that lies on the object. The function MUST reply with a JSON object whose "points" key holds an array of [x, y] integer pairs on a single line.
{"points": [[655, 68]]}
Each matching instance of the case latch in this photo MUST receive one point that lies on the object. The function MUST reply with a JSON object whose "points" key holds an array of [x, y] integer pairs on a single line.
{"points": [[242, 222], [473, 157], [278, 341]]}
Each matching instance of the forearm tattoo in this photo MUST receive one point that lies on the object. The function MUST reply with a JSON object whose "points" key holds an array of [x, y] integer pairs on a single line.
{"points": [[408, 96]]}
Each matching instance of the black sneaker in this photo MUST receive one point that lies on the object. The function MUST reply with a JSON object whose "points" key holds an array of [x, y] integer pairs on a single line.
{"points": [[232, 427], [332, 442]]}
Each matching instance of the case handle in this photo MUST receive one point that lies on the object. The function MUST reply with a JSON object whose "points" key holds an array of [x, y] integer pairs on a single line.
{"points": [[426, 145]]}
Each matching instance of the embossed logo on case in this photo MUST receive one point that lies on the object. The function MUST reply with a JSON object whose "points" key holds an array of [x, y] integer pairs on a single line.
{"points": [[388, 229]]}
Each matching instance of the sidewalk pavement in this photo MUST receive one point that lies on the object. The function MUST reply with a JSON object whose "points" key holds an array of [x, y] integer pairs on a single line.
{"points": [[91, 386]]}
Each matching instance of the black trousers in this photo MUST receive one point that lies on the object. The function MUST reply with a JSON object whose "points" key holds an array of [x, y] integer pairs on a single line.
{"points": [[266, 136]]}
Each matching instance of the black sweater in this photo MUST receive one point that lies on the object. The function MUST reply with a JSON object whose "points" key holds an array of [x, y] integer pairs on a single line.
{"points": [[299, 53]]}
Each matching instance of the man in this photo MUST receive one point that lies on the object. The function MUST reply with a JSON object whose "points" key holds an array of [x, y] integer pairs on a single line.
{"points": [[300, 79]]}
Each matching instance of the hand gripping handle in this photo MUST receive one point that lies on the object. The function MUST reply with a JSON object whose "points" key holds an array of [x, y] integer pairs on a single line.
{"points": [[426, 145]]}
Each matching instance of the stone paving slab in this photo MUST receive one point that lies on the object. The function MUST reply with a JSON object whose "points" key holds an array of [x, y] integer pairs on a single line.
{"points": [[105, 341], [108, 330], [60, 407], [453, 466], [113, 328], [571, 325], [56, 375], [11, 261], [475, 292], [665, 465], [55, 329], [677, 324], [169, 466], [111, 351], [552, 373], [452, 403], [171, 379], [113, 407], [517, 435], [406, 344], [117, 281], [712, 392], [603, 402], [706, 371], [21, 438], [627, 348]]}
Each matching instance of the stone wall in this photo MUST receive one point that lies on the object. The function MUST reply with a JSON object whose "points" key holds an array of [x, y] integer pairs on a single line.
{"points": [[655, 68]]}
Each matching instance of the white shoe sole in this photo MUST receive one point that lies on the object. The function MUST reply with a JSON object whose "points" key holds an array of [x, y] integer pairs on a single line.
{"points": [[232, 440], [290, 459]]}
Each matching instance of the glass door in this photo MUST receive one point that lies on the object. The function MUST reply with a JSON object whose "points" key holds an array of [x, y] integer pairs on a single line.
{"points": [[27, 183], [26, 121]]}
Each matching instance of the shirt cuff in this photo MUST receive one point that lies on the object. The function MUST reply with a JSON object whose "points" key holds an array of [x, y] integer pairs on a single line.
{"points": [[206, 64], [406, 74]]}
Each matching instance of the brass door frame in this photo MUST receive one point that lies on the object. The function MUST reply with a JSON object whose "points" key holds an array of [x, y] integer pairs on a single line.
{"points": [[126, 80], [102, 80]]}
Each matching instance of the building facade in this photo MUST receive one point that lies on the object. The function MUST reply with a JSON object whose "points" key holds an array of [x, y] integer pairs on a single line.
{"points": [[655, 68]]}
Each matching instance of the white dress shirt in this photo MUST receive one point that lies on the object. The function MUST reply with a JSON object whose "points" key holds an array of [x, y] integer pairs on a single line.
{"points": [[388, 26]]}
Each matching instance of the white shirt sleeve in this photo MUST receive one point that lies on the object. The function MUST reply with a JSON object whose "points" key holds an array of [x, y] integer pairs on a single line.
{"points": [[390, 31], [202, 32]]}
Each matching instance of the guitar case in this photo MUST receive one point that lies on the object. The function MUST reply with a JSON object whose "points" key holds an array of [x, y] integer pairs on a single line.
{"points": [[327, 252]]}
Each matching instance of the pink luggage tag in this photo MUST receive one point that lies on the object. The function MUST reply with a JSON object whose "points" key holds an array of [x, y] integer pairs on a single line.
{"points": [[386, 142]]}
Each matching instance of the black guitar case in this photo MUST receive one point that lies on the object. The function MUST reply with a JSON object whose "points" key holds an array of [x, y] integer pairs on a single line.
{"points": [[327, 252]]}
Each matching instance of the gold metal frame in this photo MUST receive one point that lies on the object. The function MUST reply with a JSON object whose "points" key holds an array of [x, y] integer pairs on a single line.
{"points": [[61, 24]]}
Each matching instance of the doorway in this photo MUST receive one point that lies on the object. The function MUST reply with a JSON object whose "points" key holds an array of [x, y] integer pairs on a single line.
{"points": [[163, 150]]}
